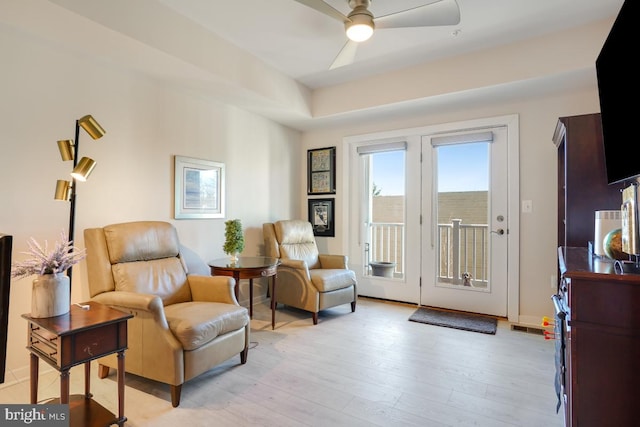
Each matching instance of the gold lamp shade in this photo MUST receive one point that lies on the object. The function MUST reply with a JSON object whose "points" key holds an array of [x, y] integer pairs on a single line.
{"points": [[91, 126], [63, 190], [66, 149], [84, 168]]}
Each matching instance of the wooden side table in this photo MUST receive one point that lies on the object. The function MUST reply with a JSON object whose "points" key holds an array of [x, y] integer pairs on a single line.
{"points": [[77, 337], [249, 268]]}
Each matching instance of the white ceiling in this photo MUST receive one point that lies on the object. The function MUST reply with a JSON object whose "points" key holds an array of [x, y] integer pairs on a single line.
{"points": [[179, 41], [302, 42]]}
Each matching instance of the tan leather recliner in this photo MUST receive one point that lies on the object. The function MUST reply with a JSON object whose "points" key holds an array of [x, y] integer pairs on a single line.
{"points": [[183, 324], [306, 279]]}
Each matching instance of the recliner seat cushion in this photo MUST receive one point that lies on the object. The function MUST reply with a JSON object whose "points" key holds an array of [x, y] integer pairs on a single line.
{"points": [[196, 323], [329, 280]]}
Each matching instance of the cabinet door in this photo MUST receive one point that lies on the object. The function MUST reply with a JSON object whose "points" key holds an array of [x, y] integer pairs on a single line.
{"points": [[582, 180], [603, 350]]}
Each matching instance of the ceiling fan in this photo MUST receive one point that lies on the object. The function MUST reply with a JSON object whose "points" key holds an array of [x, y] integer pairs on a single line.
{"points": [[360, 23]]}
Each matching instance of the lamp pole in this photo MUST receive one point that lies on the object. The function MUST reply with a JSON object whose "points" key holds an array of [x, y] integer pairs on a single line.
{"points": [[72, 198], [66, 190]]}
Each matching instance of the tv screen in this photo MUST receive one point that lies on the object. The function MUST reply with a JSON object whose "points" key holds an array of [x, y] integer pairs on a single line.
{"points": [[617, 81], [5, 283]]}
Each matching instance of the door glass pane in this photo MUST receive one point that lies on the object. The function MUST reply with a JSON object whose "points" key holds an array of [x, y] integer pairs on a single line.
{"points": [[462, 212], [386, 223]]}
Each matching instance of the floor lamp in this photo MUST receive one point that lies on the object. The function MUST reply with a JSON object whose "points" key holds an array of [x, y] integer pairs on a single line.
{"points": [[66, 190]]}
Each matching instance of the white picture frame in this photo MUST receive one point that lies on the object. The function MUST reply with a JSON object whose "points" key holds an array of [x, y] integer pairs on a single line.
{"points": [[199, 188]]}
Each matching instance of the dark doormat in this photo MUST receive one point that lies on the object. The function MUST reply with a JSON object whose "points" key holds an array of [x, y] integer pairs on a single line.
{"points": [[456, 320]]}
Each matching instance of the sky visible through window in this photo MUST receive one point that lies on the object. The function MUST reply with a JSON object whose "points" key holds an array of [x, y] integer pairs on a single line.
{"points": [[462, 167], [388, 173]]}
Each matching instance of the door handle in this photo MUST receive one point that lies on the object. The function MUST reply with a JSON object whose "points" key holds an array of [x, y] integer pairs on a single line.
{"points": [[499, 231]]}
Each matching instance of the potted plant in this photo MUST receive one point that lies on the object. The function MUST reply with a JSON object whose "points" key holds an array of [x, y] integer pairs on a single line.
{"points": [[234, 240], [51, 291]]}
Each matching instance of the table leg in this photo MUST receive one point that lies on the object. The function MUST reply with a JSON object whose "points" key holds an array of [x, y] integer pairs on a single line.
{"points": [[87, 380], [251, 298], [273, 303], [64, 386], [33, 363], [121, 417]]}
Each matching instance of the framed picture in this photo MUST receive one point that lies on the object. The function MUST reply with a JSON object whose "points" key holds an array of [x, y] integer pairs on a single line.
{"points": [[321, 214], [321, 171], [199, 188]]}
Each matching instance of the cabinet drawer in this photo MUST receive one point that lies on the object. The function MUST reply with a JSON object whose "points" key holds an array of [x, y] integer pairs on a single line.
{"points": [[45, 335], [95, 343], [44, 342], [49, 352]]}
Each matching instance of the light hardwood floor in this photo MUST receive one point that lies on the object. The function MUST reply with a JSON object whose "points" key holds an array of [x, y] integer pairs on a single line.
{"points": [[368, 368]]}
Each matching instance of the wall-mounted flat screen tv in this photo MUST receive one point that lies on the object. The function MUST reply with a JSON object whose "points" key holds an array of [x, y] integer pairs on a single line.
{"points": [[617, 82]]}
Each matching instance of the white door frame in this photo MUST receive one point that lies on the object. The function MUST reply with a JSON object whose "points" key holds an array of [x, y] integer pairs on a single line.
{"points": [[350, 208]]}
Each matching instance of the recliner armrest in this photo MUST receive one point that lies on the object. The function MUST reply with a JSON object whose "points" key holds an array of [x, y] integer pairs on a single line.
{"points": [[212, 288], [135, 302], [293, 263], [333, 261]]}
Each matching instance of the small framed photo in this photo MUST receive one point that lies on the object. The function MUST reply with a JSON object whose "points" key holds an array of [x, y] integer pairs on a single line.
{"points": [[321, 217], [199, 188], [321, 171]]}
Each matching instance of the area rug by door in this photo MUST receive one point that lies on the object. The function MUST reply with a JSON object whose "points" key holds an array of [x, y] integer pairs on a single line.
{"points": [[456, 320]]}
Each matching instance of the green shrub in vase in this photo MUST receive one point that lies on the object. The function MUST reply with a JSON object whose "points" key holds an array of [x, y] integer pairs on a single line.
{"points": [[233, 238]]}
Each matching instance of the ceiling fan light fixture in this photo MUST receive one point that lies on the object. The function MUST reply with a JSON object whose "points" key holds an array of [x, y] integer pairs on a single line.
{"points": [[360, 27], [359, 32]]}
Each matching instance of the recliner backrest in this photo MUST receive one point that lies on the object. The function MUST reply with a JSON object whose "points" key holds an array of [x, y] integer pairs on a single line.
{"points": [[142, 257], [296, 241]]}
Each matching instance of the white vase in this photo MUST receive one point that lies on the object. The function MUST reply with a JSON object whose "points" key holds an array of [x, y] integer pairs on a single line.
{"points": [[51, 295]]}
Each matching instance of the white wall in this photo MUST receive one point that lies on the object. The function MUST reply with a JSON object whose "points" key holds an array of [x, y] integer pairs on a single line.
{"points": [[44, 89], [538, 181]]}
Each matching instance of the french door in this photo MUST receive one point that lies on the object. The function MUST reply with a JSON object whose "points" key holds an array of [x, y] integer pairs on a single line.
{"points": [[464, 242], [426, 251], [382, 213]]}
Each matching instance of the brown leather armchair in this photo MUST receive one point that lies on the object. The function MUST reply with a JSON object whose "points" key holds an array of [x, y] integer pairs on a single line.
{"points": [[306, 279], [183, 324]]}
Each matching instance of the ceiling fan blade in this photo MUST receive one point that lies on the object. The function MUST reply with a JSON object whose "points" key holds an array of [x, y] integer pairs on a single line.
{"points": [[443, 12], [323, 7], [346, 56]]}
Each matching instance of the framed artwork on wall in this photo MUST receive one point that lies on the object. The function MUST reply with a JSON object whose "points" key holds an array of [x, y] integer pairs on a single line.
{"points": [[199, 188], [321, 217], [321, 171]]}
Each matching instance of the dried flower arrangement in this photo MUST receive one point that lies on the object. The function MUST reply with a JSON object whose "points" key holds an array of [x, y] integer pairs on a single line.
{"points": [[42, 261]]}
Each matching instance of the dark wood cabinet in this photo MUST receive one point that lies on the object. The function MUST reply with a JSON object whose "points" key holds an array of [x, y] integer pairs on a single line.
{"points": [[597, 316], [600, 355], [582, 179]]}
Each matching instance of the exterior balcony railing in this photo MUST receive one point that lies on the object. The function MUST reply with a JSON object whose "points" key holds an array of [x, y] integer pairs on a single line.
{"points": [[386, 246], [463, 248]]}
